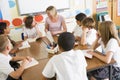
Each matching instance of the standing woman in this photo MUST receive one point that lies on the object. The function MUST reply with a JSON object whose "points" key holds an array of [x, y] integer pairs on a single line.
{"points": [[54, 23]]}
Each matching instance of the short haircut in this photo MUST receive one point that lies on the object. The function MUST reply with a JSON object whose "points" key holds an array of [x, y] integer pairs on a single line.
{"points": [[66, 40], [3, 42], [80, 16], [3, 26], [28, 22], [88, 22]]}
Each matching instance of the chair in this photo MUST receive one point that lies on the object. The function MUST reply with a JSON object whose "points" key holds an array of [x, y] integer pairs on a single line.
{"points": [[104, 16]]}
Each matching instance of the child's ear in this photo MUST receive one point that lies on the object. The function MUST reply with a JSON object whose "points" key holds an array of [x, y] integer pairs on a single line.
{"points": [[4, 30], [7, 47]]}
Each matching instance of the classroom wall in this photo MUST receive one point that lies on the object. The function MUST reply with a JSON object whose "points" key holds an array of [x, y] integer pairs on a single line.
{"points": [[10, 11]]}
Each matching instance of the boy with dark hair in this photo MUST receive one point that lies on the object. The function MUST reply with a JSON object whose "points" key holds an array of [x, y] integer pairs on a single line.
{"points": [[70, 64], [78, 29], [4, 29]]}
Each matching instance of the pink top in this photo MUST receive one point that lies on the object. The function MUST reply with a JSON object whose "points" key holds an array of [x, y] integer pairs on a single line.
{"points": [[55, 26]]}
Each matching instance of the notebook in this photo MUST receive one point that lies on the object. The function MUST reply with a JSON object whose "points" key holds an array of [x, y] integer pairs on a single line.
{"points": [[25, 44], [87, 54], [32, 63]]}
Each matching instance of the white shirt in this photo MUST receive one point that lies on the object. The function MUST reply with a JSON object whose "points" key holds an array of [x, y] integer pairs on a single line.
{"points": [[5, 68], [69, 65], [91, 36], [113, 46], [31, 33], [78, 31]]}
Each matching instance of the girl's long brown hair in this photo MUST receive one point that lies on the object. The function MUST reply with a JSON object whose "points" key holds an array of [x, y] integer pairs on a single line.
{"points": [[108, 30]]}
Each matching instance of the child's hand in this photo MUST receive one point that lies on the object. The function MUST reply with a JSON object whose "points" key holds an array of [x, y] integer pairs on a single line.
{"points": [[85, 29], [98, 35], [29, 58], [19, 45], [91, 52], [24, 62]]}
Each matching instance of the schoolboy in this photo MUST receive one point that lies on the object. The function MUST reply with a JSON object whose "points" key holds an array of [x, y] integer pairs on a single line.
{"points": [[70, 64]]}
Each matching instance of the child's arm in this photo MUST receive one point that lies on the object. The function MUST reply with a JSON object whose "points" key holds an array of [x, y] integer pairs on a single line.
{"points": [[84, 34], [16, 74], [105, 58], [38, 32], [95, 43], [16, 58]]}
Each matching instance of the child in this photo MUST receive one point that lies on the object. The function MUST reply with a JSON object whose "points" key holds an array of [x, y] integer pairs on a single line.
{"points": [[109, 40], [70, 64], [88, 32], [31, 29], [54, 23], [6, 71], [4, 29], [78, 29]]}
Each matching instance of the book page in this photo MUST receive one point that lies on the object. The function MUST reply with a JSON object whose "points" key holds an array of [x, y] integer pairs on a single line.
{"points": [[50, 37], [32, 63], [25, 44]]}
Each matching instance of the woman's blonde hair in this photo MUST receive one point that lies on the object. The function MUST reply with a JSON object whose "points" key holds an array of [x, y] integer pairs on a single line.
{"points": [[52, 10], [108, 30]]}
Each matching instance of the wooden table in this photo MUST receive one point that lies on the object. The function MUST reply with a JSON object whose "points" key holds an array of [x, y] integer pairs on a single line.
{"points": [[37, 51]]}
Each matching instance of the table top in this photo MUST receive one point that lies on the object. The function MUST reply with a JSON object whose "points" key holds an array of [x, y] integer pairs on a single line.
{"points": [[37, 51]]}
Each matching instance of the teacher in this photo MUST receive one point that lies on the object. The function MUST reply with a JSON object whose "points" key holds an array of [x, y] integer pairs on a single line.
{"points": [[54, 23]]}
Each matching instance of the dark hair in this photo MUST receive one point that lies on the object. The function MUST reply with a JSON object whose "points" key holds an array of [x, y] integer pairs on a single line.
{"points": [[3, 42], [66, 40], [88, 22], [3, 26], [28, 22], [80, 16]]}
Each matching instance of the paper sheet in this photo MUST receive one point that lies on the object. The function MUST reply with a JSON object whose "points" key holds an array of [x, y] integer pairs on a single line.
{"points": [[25, 44], [87, 54], [32, 63]]}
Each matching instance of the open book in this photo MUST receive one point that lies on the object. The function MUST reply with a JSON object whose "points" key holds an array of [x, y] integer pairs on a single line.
{"points": [[32, 63], [32, 39], [25, 44], [86, 54], [50, 37]]}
